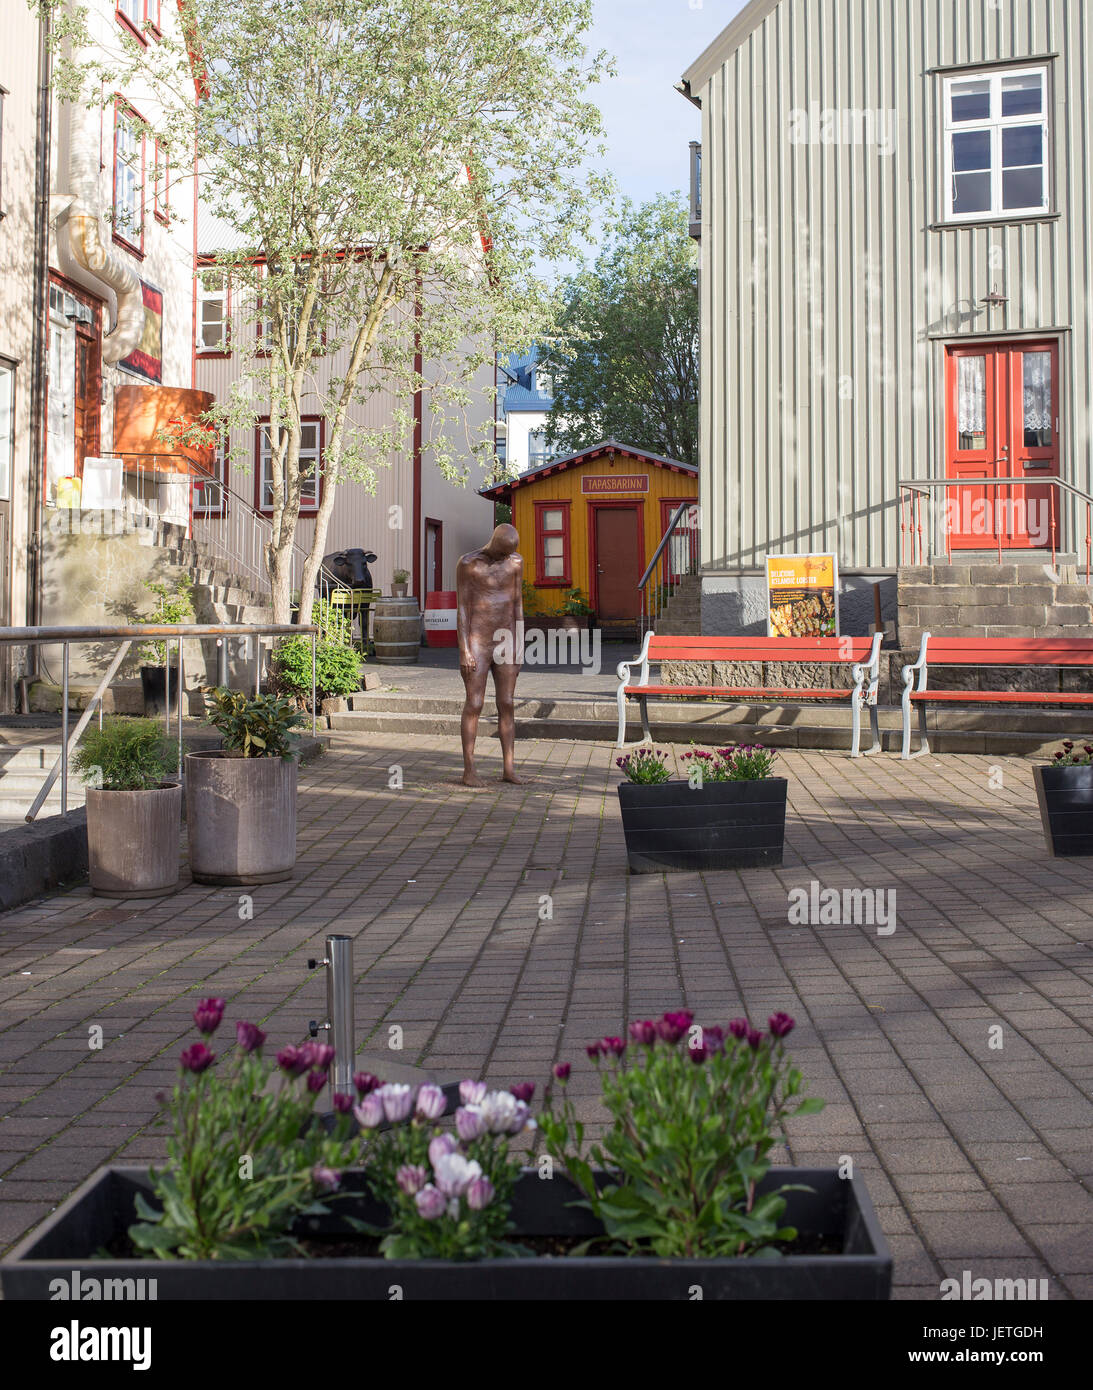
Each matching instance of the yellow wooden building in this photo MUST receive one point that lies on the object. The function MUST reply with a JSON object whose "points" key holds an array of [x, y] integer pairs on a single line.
{"points": [[592, 521]]}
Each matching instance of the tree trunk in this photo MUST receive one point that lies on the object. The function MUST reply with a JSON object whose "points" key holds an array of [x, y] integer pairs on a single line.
{"points": [[279, 561]]}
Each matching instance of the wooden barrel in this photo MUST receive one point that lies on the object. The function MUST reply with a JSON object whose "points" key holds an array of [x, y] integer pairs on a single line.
{"points": [[396, 630]]}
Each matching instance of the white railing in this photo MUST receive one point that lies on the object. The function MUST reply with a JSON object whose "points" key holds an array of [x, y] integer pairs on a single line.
{"points": [[674, 559]]}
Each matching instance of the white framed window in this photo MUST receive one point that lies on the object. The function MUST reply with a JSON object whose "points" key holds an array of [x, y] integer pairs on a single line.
{"points": [[212, 311], [7, 427], [210, 499], [128, 177], [997, 137], [311, 452]]}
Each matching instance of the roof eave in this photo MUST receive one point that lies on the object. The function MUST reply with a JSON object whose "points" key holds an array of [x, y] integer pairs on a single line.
{"points": [[726, 43]]}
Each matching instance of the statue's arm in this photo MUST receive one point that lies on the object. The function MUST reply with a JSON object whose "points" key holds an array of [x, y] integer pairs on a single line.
{"points": [[463, 600], [519, 583]]}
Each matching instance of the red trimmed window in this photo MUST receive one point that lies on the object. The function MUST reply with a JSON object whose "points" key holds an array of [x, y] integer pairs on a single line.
{"points": [[552, 567], [131, 15], [311, 461], [160, 184], [128, 178], [213, 311]]}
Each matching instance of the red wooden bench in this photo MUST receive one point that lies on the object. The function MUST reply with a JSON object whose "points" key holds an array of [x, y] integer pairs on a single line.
{"points": [[989, 651], [861, 654]]}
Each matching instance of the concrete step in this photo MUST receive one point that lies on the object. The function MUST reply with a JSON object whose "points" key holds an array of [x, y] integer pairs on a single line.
{"points": [[23, 769]]}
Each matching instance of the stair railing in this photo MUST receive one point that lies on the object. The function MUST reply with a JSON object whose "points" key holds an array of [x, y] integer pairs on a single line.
{"points": [[674, 559]]}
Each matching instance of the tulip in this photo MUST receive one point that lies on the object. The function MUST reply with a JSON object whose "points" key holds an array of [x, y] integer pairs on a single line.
{"points": [[343, 1104], [561, 1072], [411, 1178], [249, 1037], [441, 1146], [197, 1058], [480, 1194], [523, 1090], [499, 1109], [594, 1051], [713, 1038], [430, 1203], [613, 1046], [682, 1018], [369, 1114], [454, 1173], [469, 1123], [397, 1101], [698, 1054], [318, 1055], [521, 1119], [754, 1038], [739, 1028], [644, 1032], [668, 1031], [208, 1014], [365, 1083], [326, 1179], [471, 1092], [431, 1101], [292, 1060], [316, 1080], [781, 1025]]}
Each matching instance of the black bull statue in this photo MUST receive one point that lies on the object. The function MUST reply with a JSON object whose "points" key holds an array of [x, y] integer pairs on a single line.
{"points": [[350, 567]]}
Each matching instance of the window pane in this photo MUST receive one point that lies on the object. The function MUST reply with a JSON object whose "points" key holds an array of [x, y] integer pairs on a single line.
{"points": [[1022, 96], [1022, 145], [971, 193], [971, 101], [1037, 404], [971, 150], [131, 9], [554, 545], [309, 437], [1023, 188], [972, 402], [552, 520], [552, 569]]}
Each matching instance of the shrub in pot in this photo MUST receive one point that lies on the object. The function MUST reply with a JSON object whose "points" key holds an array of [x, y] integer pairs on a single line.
{"points": [[134, 812], [337, 661], [175, 605], [728, 813], [241, 799], [1064, 790], [399, 580]]}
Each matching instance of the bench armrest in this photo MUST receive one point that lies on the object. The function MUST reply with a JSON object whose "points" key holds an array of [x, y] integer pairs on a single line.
{"points": [[869, 669], [642, 660], [919, 666]]}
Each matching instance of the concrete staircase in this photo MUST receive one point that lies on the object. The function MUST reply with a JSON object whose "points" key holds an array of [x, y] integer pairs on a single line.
{"points": [[23, 768], [683, 615]]}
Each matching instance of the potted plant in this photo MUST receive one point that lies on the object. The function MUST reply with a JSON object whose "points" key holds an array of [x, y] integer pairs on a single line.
{"points": [[134, 810], [399, 581], [1064, 789], [729, 813], [241, 798], [337, 661], [577, 613], [175, 605], [384, 1194]]}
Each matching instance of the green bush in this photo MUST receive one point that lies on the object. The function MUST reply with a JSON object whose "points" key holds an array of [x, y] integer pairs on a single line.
{"points": [[176, 605], [257, 727], [337, 669], [125, 755]]}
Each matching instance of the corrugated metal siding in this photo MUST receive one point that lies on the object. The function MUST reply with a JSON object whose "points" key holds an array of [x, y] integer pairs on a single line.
{"points": [[824, 289]]}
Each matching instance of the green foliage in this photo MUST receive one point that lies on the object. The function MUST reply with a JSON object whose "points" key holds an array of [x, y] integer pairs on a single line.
{"points": [[575, 604], [1071, 755], [694, 1114], [740, 762], [175, 605], [531, 599], [625, 358], [400, 576], [337, 669], [647, 766], [258, 726], [125, 755]]}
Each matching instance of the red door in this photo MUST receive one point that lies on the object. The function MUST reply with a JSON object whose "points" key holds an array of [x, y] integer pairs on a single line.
{"points": [[1003, 422], [616, 560]]}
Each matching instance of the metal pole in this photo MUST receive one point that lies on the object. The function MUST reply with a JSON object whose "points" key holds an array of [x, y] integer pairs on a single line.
{"points": [[313, 683], [181, 688], [339, 1006], [221, 662], [167, 687], [257, 666], [64, 730]]}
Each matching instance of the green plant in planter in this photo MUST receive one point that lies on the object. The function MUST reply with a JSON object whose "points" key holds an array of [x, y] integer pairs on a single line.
{"points": [[258, 726], [646, 766], [400, 577], [175, 606], [125, 755], [694, 1114], [1073, 755], [337, 662], [740, 762], [575, 605]]}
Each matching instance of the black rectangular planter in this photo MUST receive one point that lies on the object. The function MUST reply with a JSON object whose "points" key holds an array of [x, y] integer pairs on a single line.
{"points": [[721, 825], [104, 1207], [1065, 795]]}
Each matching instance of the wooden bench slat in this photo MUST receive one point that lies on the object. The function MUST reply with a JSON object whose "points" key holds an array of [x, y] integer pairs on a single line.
{"points": [[759, 648], [1007, 697], [1031, 651], [729, 692]]}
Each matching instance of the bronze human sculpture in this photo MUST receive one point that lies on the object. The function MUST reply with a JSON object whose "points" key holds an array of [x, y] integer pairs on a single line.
{"points": [[490, 632]]}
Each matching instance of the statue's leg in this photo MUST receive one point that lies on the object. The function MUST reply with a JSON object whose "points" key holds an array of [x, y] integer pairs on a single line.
{"points": [[475, 685], [504, 684]]}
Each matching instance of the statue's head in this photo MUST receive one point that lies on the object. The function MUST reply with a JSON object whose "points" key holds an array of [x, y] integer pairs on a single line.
{"points": [[503, 542]]}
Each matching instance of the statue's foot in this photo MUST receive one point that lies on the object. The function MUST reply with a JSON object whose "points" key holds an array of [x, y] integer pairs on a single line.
{"points": [[512, 777], [471, 779]]}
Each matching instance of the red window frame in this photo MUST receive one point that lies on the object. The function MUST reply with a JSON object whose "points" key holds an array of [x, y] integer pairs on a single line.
{"points": [[160, 202], [541, 534], [306, 509], [121, 106], [128, 25], [226, 349]]}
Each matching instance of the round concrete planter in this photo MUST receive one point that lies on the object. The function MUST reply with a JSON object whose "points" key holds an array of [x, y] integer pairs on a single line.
{"points": [[132, 841], [241, 818]]}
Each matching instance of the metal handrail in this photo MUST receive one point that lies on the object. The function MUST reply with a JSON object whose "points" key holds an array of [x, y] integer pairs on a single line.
{"points": [[36, 636], [923, 488], [650, 612]]}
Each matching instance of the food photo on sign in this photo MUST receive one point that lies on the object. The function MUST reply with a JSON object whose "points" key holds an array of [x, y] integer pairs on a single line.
{"points": [[802, 596]]}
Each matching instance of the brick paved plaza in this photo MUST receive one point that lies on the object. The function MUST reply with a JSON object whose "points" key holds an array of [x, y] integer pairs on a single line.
{"points": [[977, 1157]]}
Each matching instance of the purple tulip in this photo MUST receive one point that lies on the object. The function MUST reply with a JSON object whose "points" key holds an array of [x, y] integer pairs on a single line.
{"points": [[343, 1104], [713, 1039], [411, 1178], [471, 1092], [698, 1054], [754, 1038], [292, 1060], [561, 1072], [644, 1032], [521, 1120], [197, 1058], [249, 1037], [480, 1194], [469, 1123], [441, 1146], [595, 1051], [365, 1083], [682, 1018], [397, 1101], [667, 1031], [318, 1055], [523, 1090], [208, 1014], [738, 1027], [430, 1203], [615, 1047], [316, 1080], [430, 1102], [326, 1179], [781, 1025], [369, 1114]]}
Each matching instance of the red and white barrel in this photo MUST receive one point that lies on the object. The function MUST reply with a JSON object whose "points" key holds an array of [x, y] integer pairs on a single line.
{"points": [[440, 618]]}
